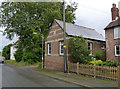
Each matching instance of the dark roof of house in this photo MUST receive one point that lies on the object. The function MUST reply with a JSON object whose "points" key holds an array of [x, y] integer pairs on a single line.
{"points": [[75, 30], [113, 24]]}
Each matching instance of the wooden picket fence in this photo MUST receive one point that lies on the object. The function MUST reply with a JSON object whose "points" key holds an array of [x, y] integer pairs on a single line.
{"points": [[112, 73]]}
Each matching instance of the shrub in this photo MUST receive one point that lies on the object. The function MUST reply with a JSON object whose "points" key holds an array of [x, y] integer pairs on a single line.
{"points": [[18, 55], [97, 62], [6, 52], [106, 63], [30, 61], [78, 50], [111, 63], [40, 65], [30, 57], [98, 55]]}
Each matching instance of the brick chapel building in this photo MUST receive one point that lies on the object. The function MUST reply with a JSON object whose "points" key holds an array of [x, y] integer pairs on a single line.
{"points": [[112, 36], [54, 55]]}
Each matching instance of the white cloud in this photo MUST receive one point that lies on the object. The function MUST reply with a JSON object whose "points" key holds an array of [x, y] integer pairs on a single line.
{"points": [[4, 41], [95, 14]]}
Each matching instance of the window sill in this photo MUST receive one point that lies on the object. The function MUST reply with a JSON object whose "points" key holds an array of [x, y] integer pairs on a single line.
{"points": [[102, 48], [61, 54], [117, 55], [49, 55], [116, 38]]}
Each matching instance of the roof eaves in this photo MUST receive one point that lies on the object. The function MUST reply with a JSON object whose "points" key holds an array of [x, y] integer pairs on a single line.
{"points": [[113, 24], [89, 38]]}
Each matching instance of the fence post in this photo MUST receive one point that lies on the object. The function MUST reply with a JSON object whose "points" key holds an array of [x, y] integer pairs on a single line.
{"points": [[119, 77], [77, 67], [94, 70]]}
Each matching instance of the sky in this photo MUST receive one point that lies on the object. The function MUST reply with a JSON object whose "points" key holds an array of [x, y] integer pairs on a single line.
{"points": [[95, 14]]}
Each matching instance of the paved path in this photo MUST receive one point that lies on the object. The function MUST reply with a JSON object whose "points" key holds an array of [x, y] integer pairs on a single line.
{"points": [[17, 77]]}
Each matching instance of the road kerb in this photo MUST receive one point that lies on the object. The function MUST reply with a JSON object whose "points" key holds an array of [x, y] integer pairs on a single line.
{"points": [[61, 79]]}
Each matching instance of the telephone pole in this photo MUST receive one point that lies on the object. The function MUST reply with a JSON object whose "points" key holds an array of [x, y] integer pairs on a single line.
{"points": [[64, 28], [42, 51]]}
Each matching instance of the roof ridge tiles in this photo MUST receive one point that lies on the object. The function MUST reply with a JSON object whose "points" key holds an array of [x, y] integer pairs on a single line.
{"points": [[76, 30], [76, 25]]}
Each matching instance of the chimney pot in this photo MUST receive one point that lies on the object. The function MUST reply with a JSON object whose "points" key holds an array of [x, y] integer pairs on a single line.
{"points": [[115, 12], [114, 5]]}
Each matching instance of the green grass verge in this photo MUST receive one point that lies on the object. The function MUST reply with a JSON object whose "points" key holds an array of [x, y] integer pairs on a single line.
{"points": [[73, 75], [13, 62]]}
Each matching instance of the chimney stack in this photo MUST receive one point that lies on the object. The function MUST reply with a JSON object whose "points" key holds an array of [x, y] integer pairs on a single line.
{"points": [[114, 11], [119, 7]]}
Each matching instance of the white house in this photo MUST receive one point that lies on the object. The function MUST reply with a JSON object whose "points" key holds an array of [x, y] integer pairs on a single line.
{"points": [[13, 50], [0, 53]]}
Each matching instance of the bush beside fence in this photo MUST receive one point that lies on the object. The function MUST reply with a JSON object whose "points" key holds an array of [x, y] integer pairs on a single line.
{"points": [[105, 72]]}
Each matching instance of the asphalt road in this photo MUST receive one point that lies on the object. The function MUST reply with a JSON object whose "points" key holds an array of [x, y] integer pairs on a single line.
{"points": [[21, 77], [0, 76]]}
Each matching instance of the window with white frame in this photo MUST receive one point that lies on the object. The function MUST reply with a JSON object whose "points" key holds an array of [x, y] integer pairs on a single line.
{"points": [[49, 48], [61, 48], [117, 50], [90, 47], [117, 32], [103, 47]]}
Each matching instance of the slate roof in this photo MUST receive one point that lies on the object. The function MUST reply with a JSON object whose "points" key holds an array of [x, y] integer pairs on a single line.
{"points": [[75, 30], [113, 24]]}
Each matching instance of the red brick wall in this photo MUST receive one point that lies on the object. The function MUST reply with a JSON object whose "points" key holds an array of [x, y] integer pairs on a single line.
{"points": [[110, 45], [54, 61], [96, 46]]}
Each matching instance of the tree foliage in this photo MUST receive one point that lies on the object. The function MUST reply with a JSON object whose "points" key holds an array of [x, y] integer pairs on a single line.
{"points": [[29, 20], [18, 55], [0, 53], [79, 50], [6, 52], [28, 17]]}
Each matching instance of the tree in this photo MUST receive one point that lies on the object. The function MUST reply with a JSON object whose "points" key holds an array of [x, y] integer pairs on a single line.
{"points": [[6, 52], [0, 53], [78, 50], [29, 20], [26, 17]]}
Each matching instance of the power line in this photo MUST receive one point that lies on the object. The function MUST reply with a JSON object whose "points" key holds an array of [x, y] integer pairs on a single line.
{"points": [[91, 8]]}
